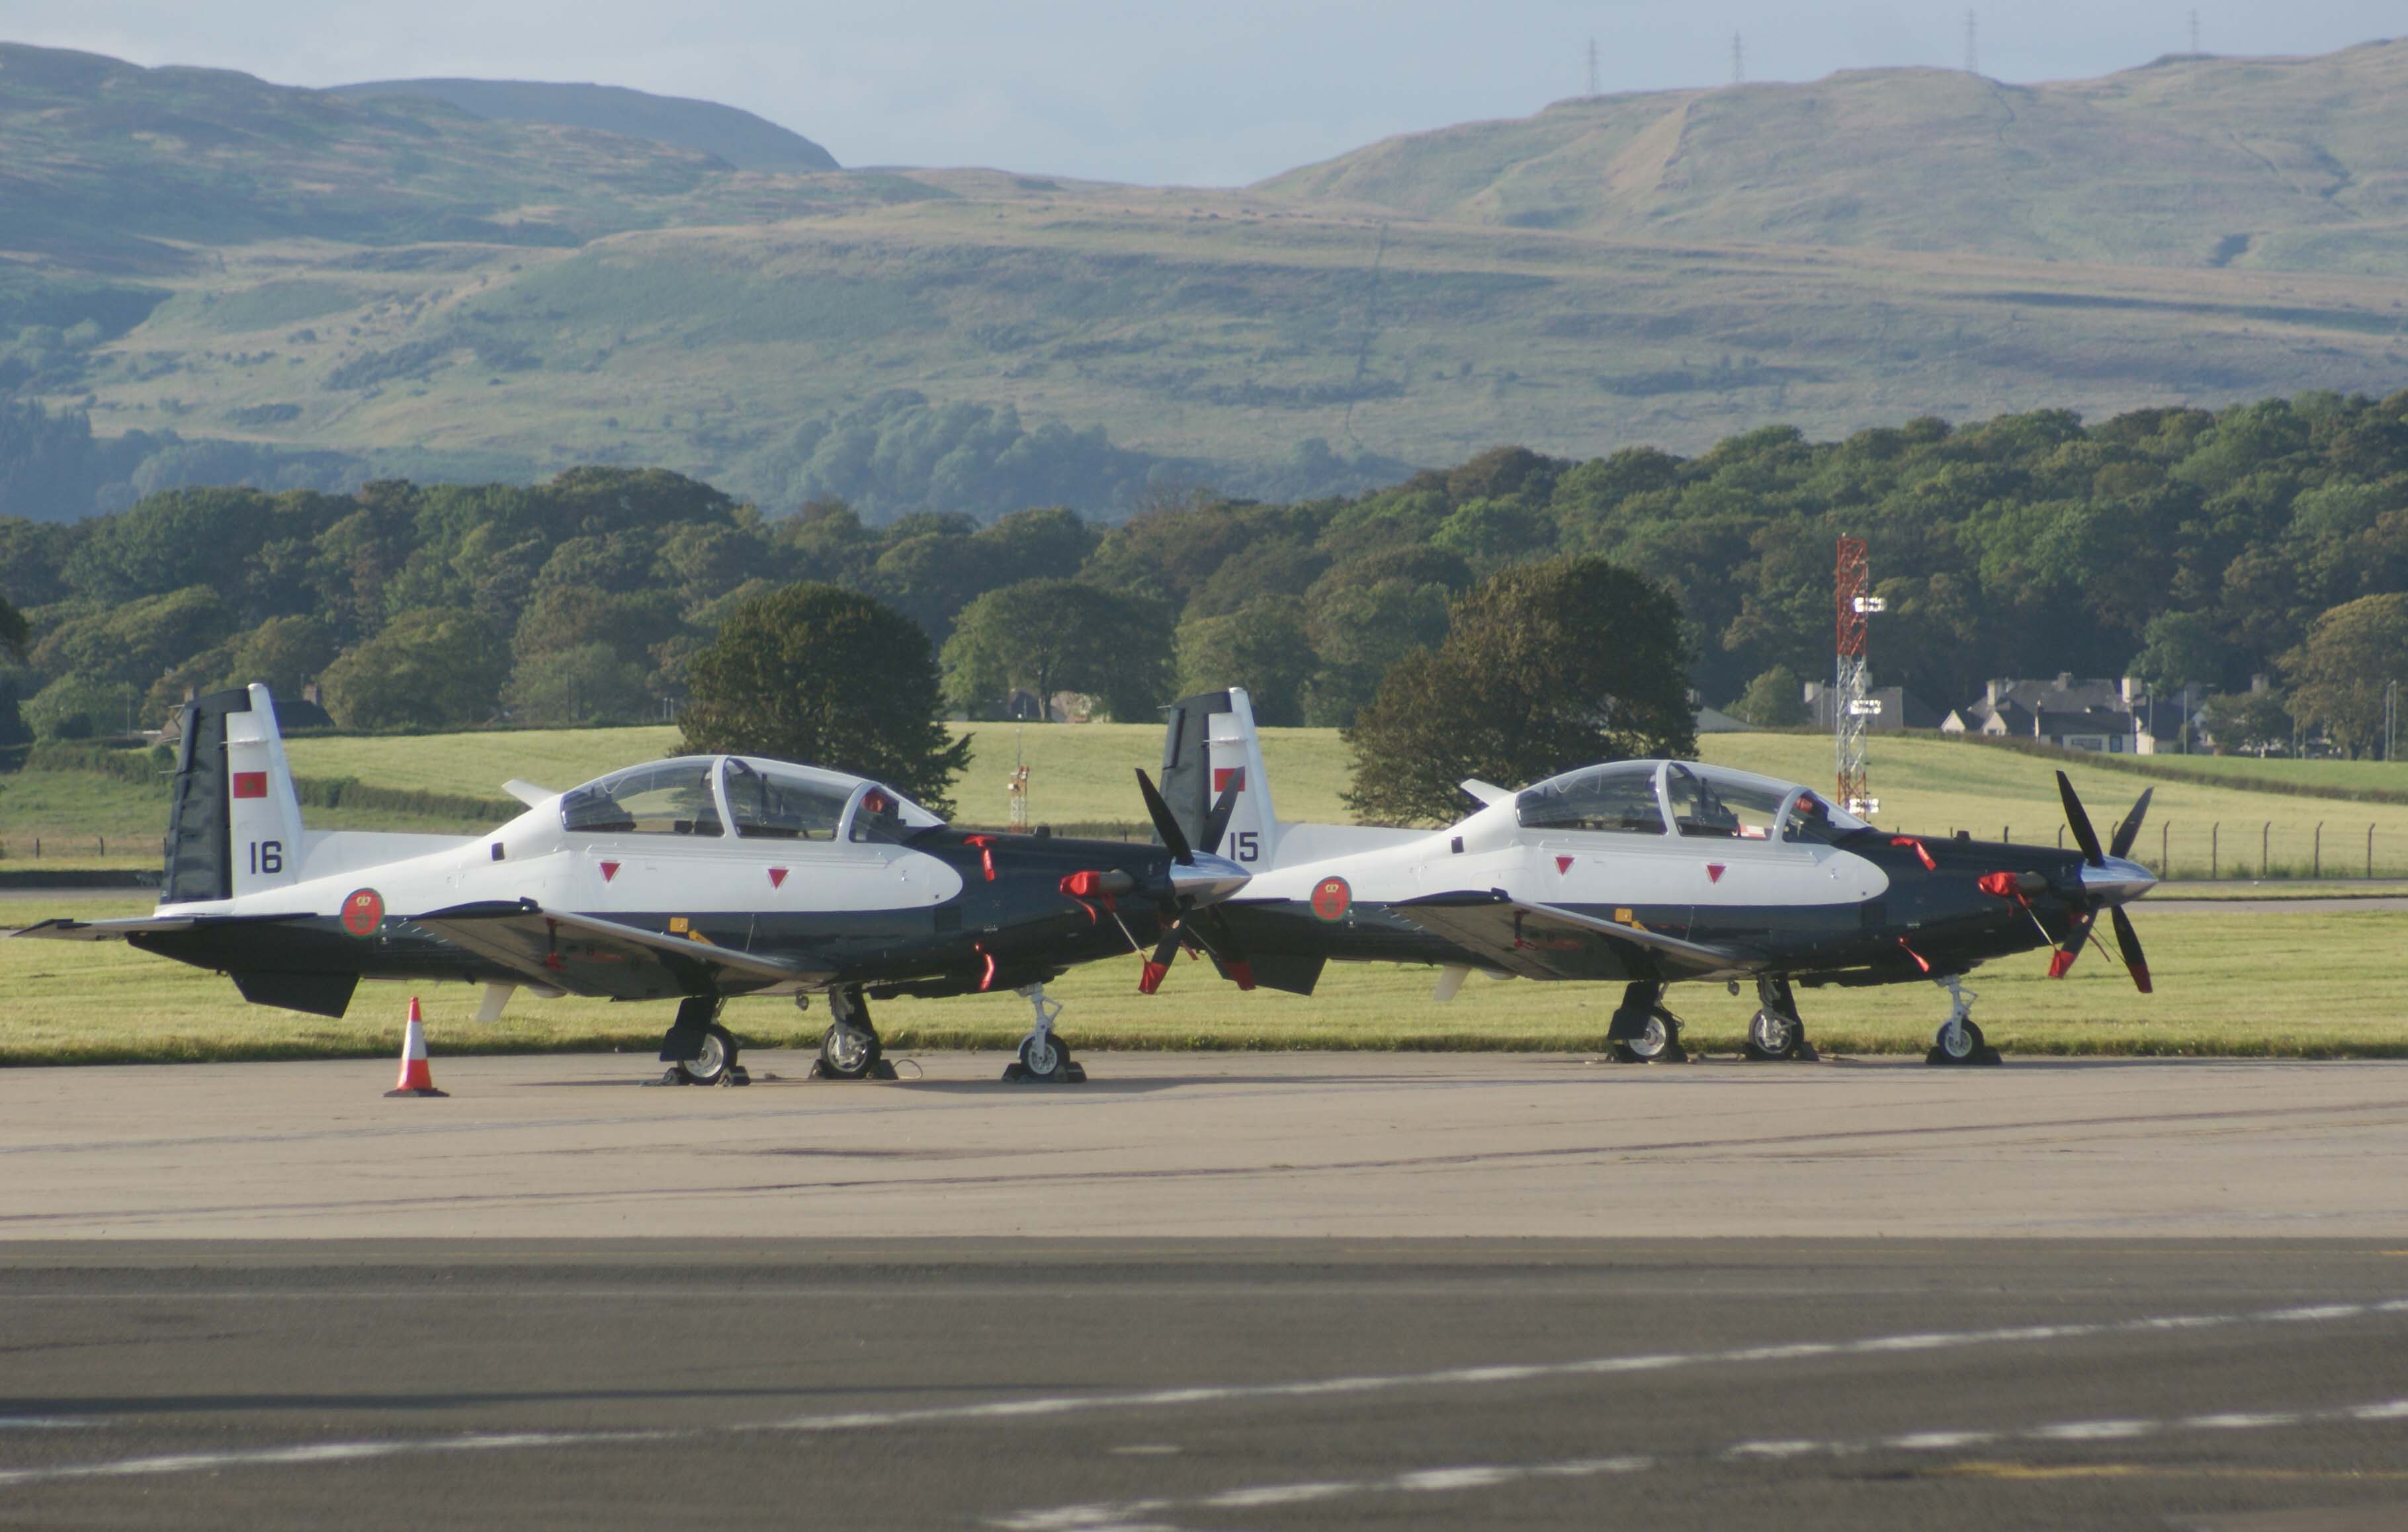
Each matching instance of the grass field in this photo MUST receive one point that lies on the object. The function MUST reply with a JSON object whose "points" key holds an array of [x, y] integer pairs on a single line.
{"points": [[1080, 774], [2248, 984]]}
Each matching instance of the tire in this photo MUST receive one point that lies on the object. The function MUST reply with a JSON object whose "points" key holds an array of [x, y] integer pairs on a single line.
{"points": [[1771, 1035], [1648, 1046], [1971, 1037], [1047, 1064], [850, 1053], [717, 1056]]}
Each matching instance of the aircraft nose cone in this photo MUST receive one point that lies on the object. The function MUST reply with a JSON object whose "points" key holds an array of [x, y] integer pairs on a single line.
{"points": [[2120, 881], [1211, 878]]}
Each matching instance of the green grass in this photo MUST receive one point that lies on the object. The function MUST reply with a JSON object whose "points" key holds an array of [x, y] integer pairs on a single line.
{"points": [[2335, 974], [1080, 774]]}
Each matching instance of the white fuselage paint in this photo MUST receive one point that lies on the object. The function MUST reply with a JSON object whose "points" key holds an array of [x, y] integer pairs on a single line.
{"points": [[1589, 869], [602, 874]]}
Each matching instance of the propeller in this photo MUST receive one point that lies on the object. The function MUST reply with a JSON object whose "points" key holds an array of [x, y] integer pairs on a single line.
{"points": [[1184, 928], [2128, 941]]}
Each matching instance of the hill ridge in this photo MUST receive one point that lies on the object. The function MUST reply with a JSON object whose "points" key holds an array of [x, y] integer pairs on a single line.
{"points": [[742, 138]]}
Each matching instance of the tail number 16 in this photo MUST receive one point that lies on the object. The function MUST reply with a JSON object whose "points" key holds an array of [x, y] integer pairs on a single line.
{"points": [[266, 856]]}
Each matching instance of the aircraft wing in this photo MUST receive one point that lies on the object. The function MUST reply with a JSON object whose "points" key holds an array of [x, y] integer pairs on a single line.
{"points": [[134, 925], [1546, 942], [585, 955]]}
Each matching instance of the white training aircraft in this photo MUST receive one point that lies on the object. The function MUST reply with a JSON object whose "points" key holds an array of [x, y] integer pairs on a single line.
{"points": [[1643, 873], [696, 879]]}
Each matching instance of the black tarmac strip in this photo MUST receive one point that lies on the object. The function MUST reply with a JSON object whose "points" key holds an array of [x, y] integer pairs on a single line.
{"points": [[1061, 1386]]}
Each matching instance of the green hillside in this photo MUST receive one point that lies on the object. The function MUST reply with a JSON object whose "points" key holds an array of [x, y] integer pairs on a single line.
{"points": [[2296, 164], [403, 288], [743, 140]]}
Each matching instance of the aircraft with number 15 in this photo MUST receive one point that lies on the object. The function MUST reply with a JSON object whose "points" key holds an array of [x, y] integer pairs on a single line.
{"points": [[1641, 873]]}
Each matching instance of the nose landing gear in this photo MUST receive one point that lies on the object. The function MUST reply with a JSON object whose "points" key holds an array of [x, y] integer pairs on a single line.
{"points": [[1044, 1057], [1959, 1041]]}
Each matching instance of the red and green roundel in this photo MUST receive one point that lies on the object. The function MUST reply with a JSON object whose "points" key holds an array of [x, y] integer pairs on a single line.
{"points": [[363, 912], [1331, 899]]}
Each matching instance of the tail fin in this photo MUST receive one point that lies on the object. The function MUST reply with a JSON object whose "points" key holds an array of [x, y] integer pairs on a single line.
{"points": [[234, 821], [1208, 747]]}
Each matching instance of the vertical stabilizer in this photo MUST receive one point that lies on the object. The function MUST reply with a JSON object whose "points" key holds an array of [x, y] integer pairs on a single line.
{"points": [[234, 821], [1209, 746]]}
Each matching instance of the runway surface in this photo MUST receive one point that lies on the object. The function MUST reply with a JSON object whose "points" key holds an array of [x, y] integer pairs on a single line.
{"points": [[1201, 1145], [1045, 1386], [1209, 1292]]}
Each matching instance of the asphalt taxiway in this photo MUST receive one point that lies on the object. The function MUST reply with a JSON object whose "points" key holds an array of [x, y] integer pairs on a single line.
{"points": [[1209, 1292]]}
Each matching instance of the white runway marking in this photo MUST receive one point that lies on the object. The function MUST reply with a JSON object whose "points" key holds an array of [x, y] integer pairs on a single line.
{"points": [[1045, 1408], [1146, 1515]]}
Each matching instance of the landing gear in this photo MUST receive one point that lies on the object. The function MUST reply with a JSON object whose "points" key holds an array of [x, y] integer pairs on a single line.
{"points": [[697, 1049], [1044, 1058], [1775, 1032], [850, 1049], [1959, 1041], [1642, 1031]]}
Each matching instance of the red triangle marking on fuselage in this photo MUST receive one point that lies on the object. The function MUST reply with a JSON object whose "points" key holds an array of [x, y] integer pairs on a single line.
{"points": [[777, 877], [610, 870], [1563, 864], [1713, 872]]}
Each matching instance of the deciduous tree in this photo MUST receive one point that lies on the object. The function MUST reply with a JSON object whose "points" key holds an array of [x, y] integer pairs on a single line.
{"points": [[828, 678]]}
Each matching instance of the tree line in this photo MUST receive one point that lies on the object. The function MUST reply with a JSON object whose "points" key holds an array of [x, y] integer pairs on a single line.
{"points": [[2189, 547]]}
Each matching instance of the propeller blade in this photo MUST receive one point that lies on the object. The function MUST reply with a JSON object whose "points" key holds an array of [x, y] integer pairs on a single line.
{"points": [[2130, 941], [2079, 823], [1166, 826], [2129, 830], [1217, 822], [1157, 966], [2076, 938]]}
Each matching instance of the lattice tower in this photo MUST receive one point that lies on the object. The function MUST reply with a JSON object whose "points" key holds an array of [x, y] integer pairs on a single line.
{"points": [[1851, 690]]}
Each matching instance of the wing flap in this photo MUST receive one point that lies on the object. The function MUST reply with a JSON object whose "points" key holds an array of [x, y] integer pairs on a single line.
{"points": [[1548, 941], [586, 956]]}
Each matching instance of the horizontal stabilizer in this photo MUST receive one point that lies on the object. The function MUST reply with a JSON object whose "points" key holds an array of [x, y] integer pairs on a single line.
{"points": [[1547, 941], [134, 925], [584, 955]]}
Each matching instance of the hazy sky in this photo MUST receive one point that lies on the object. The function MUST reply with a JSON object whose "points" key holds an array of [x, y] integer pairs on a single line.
{"points": [[1210, 92]]}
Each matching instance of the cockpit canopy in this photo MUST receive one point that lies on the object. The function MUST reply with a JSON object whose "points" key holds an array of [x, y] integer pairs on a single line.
{"points": [[1682, 797], [714, 796]]}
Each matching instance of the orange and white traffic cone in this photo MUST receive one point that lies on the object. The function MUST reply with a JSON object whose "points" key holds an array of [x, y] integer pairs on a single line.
{"points": [[416, 1079]]}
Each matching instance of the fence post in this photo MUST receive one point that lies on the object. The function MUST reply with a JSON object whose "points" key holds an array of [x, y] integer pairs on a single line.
{"points": [[2165, 867], [2060, 838], [2264, 832], [2006, 835], [2214, 833], [2319, 866], [104, 844], [2370, 849]]}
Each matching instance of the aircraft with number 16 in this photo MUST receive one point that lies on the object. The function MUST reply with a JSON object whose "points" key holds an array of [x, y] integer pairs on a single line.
{"points": [[695, 879]]}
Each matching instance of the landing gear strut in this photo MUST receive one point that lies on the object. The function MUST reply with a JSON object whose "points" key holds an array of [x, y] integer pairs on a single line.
{"points": [[850, 1049], [1642, 1031], [1775, 1032], [697, 1049], [1959, 1041], [1044, 1057]]}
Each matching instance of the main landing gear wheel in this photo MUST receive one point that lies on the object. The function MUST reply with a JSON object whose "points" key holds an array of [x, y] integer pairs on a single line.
{"points": [[697, 1049], [1044, 1057], [1658, 1043], [1771, 1035], [850, 1049]]}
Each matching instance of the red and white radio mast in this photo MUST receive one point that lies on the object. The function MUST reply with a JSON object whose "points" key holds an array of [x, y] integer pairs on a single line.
{"points": [[1853, 704]]}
